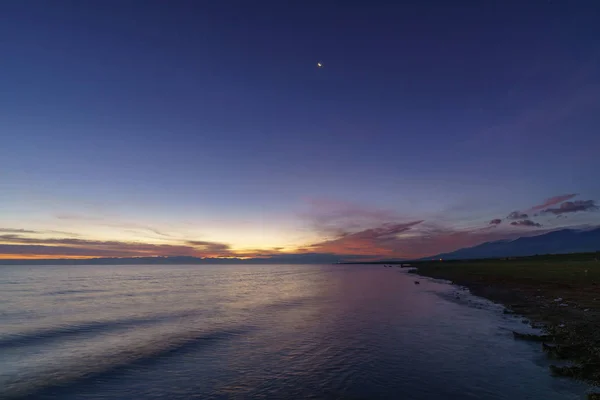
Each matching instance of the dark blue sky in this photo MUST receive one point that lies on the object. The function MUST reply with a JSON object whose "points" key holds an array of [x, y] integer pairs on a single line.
{"points": [[211, 119]]}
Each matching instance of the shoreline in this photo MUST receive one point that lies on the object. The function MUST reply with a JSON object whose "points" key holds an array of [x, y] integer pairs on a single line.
{"points": [[561, 298]]}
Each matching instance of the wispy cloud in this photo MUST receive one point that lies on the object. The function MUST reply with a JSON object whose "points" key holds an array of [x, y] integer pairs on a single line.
{"points": [[77, 217], [380, 240], [13, 230], [553, 201], [214, 247], [335, 217], [73, 246], [160, 233], [411, 240], [16, 251], [101, 220], [573, 206], [34, 232], [352, 229], [139, 227], [363, 231], [347, 230]]}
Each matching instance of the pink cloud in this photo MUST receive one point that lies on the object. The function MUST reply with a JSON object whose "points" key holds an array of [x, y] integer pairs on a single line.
{"points": [[349, 230], [357, 230], [573, 206], [380, 240], [336, 217], [409, 240], [553, 200], [19, 244]]}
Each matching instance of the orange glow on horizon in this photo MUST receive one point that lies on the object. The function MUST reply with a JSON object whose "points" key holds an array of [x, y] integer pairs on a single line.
{"points": [[41, 257], [71, 257]]}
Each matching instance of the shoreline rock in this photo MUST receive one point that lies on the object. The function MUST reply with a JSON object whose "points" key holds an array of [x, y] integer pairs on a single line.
{"points": [[549, 296]]}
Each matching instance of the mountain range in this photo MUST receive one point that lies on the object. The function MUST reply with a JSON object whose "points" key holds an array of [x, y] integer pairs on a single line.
{"points": [[556, 242]]}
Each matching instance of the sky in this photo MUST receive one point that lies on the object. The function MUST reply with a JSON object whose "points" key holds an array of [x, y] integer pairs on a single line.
{"points": [[153, 128]]}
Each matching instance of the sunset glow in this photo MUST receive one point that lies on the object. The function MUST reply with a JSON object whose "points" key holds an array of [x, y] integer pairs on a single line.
{"points": [[225, 141]]}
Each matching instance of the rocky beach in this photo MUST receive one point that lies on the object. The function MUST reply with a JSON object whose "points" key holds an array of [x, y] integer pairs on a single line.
{"points": [[559, 294]]}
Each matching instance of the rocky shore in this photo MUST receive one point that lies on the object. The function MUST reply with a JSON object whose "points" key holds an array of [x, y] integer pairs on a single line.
{"points": [[560, 296]]}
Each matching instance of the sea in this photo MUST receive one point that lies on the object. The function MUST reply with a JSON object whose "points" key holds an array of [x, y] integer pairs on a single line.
{"points": [[259, 332]]}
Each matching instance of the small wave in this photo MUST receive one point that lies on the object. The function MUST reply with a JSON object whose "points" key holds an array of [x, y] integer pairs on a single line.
{"points": [[44, 335], [466, 298], [63, 292], [286, 304], [105, 367]]}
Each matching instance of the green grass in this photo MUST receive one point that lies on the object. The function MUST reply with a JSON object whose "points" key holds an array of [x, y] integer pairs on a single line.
{"points": [[573, 272], [575, 280]]}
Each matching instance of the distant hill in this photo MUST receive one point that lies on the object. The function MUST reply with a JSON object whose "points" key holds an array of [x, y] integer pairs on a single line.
{"points": [[557, 242], [305, 258]]}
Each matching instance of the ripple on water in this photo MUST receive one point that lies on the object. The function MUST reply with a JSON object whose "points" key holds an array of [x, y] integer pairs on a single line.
{"points": [[215, 332]]}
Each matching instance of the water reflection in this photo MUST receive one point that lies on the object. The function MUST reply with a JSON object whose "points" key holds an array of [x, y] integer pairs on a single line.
{"points": [[257, 332]]}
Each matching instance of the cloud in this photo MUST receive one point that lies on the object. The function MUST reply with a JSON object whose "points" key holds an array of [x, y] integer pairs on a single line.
{"points": [[408, 240], [346, 230], [553, 200], [138, 227], [20, 246], [13, 230], [158, 232], [62, 251], [526, 223], [411, 239], [334, 217], [77, 217], [416, 241], [60, 241], [209, 246], [125, 225], [380, 240], [98, 248], [517, 215], [573, 206], [359, 231]]}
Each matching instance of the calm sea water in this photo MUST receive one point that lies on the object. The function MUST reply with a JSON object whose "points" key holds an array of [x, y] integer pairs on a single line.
{"points": [[267, 332]]}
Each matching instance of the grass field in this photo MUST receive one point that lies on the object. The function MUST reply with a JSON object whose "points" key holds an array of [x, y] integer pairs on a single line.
{"points": [[574, 280]]}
